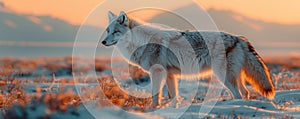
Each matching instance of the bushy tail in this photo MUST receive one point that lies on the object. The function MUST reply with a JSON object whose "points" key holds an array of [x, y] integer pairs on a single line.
{"points": [[257, 73]]}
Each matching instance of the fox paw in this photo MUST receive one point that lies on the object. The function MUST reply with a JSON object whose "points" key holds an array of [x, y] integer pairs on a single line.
{"points": [[174, 103]]}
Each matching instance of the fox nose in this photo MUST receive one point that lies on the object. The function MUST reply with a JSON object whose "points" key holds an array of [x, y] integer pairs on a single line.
{"points": [[104, 42]]}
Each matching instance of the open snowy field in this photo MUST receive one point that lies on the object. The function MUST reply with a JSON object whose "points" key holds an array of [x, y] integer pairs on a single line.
{"points": [[30, 90]]}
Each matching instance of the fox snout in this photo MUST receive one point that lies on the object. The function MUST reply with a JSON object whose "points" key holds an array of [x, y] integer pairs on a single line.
{"points": [[103, 42], [108, 41]]}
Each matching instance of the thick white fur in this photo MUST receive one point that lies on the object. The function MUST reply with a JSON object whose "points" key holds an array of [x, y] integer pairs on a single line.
{"points": [[239, 57]]}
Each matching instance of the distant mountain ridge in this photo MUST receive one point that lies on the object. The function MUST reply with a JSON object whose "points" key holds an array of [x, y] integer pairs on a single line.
{"points": [[239, 24], [271, 39], [24, 29], [27, 27], [268, 38], [20, 27]]}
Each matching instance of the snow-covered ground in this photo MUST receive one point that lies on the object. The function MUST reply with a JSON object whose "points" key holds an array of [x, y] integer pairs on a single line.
{"points": [[286, 103]]}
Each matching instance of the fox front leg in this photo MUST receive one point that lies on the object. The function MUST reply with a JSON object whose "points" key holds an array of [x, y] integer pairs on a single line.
{"points": [[158, 76]]}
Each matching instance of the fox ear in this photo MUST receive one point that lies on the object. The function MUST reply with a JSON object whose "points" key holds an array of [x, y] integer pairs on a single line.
{"points": [[123, 19], [111, 16]]}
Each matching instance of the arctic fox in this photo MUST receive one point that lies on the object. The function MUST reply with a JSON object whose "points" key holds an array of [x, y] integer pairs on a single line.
{"points": [[134, 39]]}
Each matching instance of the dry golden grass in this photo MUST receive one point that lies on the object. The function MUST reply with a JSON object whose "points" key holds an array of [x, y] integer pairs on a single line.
{"points": [[28, 67], [12, 91], [61, 101], [108, 93]]}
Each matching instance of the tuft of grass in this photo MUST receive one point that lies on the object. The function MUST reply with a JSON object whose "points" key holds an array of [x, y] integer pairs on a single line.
{"points": [[109, 93], [12, 91]]}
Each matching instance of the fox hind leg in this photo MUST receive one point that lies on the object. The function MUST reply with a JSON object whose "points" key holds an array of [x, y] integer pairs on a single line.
{"points": [[233, 88], [233, 81], [157, 76], [242, 87], [172, 86]]}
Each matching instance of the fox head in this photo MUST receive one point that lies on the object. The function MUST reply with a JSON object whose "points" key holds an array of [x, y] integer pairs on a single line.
{"points": [[117, 28]]}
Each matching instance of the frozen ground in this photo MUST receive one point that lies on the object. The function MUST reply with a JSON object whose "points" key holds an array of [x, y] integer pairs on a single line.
{"points": [[286, 103]]}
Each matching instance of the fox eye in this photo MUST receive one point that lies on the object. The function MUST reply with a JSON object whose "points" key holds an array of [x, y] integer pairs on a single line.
{"points": [[116, 31]]}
